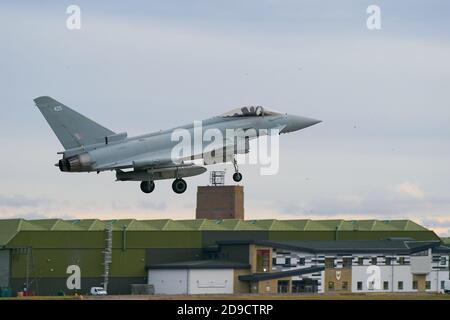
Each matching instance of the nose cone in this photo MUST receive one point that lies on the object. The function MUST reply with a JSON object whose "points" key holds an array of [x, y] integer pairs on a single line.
{"points": [[295, 123]]}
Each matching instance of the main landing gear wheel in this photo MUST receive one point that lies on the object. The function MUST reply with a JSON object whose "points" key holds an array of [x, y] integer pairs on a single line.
{"points": [[237, 176], [179, 186], [147, 186]]}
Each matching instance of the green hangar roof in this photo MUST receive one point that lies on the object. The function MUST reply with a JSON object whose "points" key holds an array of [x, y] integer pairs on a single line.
{"points": [[204, 224], [9, 228], [164, 231]]}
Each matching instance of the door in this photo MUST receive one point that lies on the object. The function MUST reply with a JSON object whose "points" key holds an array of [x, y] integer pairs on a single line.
{"points": [[168, 281]]}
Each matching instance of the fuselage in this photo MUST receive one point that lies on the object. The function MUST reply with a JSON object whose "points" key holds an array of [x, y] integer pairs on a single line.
{"points": [[160, 144]]}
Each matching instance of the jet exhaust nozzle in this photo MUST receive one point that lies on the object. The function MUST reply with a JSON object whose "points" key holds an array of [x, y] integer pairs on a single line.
{"points": [[78, 163]]}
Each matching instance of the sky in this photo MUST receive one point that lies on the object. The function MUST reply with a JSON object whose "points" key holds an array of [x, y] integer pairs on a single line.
{"points": [[381, 152]]}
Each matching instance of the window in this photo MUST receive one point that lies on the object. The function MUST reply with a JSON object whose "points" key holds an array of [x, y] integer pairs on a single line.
{"points": [[262, 260], [414, 285], [359, 285], [329, 262], [347, 262], [385, 285], [296, 286], [249, 111], [361, 261], [374, 261], [287, 262], [283, 286], [371, 285], [400, 285], [301, 261], [427, 285], [388, 261], [442, 285], [401, 260], [330, 285], [344, 285], [443, 261]]}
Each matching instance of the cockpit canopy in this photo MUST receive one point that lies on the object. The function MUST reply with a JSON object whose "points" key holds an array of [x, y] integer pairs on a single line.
{"points": [[249, 111]]}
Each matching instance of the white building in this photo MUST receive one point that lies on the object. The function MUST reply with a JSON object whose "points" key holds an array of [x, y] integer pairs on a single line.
{"points": [[392, 265], [194, 277]]}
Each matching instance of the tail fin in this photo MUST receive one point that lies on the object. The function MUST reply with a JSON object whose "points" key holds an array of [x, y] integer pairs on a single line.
{"points": [[72, 129]]}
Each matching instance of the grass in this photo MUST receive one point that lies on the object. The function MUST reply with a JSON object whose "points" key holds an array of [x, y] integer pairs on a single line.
{"points": [[370, 296]]}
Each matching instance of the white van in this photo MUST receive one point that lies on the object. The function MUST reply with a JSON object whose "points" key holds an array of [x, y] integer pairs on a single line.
{"points": [[98, 291]]}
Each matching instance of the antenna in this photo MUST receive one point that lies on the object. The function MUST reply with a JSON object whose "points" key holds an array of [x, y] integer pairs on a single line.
{"points": [[217, 178]]}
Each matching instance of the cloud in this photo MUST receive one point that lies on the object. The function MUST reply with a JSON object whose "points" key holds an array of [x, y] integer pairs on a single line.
{"points": [[152, 205], [21, 201], [407, 202], [409, 189], [36, 215], [439, 225]]}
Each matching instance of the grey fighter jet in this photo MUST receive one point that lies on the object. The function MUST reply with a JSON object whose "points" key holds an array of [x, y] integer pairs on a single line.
{"points": [[90, 147]]}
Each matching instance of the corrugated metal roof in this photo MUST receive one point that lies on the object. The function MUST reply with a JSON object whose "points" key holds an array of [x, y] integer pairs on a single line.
{"points": [[8, 228], [201, 264], [319, 246]]}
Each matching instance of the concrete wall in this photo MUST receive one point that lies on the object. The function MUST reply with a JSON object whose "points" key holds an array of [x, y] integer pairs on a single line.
{"points": [[394, 274], [204, 281], [436, 277], [241, 286], [391, 274], [421, 264]]}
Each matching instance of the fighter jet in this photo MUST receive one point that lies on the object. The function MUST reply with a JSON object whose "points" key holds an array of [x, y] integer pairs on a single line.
{"points": [[90, 147]]}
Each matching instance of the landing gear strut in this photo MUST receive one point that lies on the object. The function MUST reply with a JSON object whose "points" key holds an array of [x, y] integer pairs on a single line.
{"points": [[147, 186], [237, 176], [179, 186]]}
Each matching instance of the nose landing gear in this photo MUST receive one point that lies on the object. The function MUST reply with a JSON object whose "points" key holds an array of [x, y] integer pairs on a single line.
{"points": [[237, 176]]}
